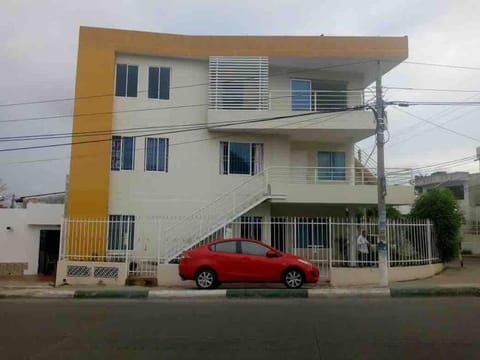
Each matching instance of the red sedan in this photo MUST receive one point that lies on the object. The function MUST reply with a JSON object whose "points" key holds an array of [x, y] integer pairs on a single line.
{"points": [[244, 260]]}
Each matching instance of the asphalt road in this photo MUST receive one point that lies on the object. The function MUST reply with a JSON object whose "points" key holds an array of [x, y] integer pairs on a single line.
{"points": [[413, 328]]}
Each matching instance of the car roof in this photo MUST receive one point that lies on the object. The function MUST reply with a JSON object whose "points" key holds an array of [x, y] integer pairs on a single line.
{"points": [[235, 239]]}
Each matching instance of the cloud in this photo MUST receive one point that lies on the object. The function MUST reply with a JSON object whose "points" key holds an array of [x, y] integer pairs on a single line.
{"points": [[40, 39]]}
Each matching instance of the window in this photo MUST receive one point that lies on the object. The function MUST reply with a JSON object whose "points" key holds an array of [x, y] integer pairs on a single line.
{"points": [[301, 94], [241, 158], [331, 165], [311, 233], [457, 191], [159, 83], [251, 227], [123, 153], [121, 230], [225, 246], [156, 154], [238, 83], [126, 82], [251, 248]]}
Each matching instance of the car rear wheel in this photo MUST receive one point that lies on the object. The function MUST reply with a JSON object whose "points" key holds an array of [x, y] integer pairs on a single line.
{"points": [[206, 279], [293, 279]]}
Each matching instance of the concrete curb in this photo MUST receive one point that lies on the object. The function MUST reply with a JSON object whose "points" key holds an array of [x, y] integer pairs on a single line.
{"points": [[336, 292], [237, 293], [110, 294], [267, 293], [435, 291], [174, 294]]}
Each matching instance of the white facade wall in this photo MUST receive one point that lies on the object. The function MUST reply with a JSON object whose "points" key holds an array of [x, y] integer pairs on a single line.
{"points": [[193, 179], [21, 243]]}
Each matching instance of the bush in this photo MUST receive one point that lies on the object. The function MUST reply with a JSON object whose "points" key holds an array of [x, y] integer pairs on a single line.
{"points": [[439, 205]]}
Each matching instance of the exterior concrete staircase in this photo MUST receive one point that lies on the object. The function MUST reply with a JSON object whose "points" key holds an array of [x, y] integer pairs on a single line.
{"points": [[365, 168], [211, 218], [363, 175]]}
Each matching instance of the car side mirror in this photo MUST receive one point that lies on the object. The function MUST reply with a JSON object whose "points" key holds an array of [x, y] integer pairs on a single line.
{"points": [[272, 254]]}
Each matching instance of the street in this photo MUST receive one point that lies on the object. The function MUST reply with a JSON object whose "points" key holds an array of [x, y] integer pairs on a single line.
{"points": [[413, 328]]}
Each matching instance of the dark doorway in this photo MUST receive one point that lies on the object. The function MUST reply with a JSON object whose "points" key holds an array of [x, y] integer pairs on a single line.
{"points": [[48, 252]]}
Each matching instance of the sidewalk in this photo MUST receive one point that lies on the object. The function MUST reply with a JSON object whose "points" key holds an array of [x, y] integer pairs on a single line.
{"points": [[453, 276], [453, 281]]}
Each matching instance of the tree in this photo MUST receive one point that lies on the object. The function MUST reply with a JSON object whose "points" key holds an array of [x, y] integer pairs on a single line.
{"points": [[372, 212], [440, 206]]}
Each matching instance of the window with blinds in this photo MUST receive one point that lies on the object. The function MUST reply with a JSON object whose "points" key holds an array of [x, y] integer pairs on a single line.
{"points": [[238, 83]]}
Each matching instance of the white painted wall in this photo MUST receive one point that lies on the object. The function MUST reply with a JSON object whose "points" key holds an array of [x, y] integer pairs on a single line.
{"points": [[193, 178], [21, 243]]}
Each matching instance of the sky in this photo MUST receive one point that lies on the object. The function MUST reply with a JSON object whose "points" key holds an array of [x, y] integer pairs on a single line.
{"points": [[39, 48]]}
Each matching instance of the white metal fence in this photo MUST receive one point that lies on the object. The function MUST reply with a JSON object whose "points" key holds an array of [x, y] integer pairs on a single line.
{"points": [[327, 242]]}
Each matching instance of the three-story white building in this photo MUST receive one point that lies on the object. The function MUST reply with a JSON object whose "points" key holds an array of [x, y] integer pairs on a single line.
{"points": [[208, 129]]}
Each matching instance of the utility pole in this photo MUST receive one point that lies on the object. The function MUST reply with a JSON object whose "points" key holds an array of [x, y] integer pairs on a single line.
{"points": [[381, 183]]}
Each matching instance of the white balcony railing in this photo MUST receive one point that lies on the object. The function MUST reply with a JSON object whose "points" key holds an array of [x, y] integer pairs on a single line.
{"points": [[315, 100], [243, 98], [347, 175]]}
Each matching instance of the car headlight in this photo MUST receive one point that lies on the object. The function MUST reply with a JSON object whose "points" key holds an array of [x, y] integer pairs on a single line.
{"points": [[305, 262]]}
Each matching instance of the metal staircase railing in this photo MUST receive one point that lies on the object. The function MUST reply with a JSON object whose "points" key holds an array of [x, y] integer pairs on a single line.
{"points": [[366, 160], [207, 220]]}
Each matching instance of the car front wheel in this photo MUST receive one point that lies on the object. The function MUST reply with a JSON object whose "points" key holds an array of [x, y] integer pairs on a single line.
{"points": [[206, 279], [293, 279]]}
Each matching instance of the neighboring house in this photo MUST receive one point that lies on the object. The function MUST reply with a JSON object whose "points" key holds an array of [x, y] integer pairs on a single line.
{"points": [[273, 124], [466, 189], [30, 235], [463, 185]]}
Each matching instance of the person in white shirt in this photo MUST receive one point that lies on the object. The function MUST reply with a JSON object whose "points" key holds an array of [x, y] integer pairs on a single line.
{"points": [[362, 248]]}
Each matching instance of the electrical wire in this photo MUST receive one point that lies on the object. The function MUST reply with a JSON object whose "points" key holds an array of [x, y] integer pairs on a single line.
{"points": [[182, 86], [439, 126], [440, 65], [174, 131], [328, 118], [430, 89]]}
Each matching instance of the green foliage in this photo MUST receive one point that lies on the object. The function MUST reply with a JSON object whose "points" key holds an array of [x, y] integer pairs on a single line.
{"points": [[439, 205], [372, 212]]}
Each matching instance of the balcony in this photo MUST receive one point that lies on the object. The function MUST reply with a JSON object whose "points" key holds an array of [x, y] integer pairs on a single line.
{"points": [[338, 185], [294, 112]]}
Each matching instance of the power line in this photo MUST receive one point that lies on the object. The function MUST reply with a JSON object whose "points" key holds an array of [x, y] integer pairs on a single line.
{"points": [[425, 128], [440, 165], [103, 113], [49, 136], [175, 131], [442, 113], [181, 86], [442, 65], [109, 132], [328, 118], [446, 163], [88, 96], [433, 103], [430, 89], [114, 112], [439, 126], [437, 65]]}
